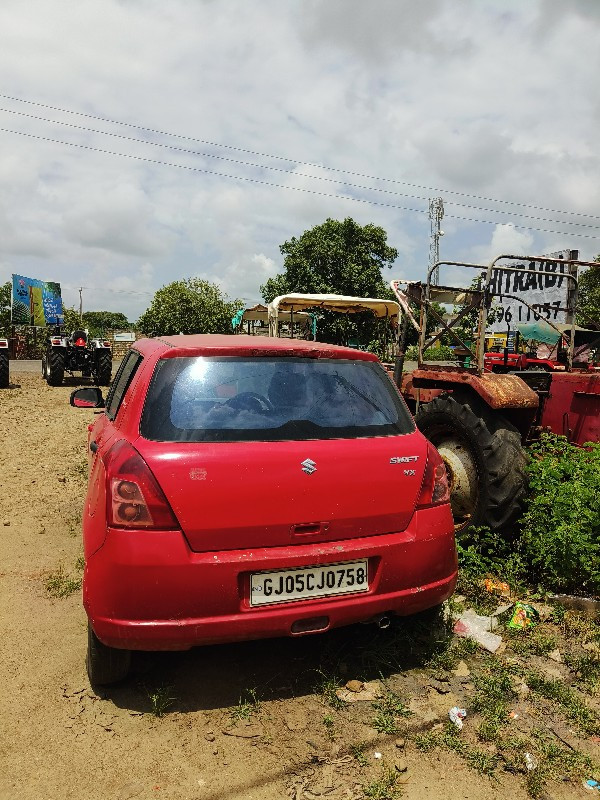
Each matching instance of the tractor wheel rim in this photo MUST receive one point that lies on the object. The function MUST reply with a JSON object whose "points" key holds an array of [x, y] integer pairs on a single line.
{"points": [[462, 477]]}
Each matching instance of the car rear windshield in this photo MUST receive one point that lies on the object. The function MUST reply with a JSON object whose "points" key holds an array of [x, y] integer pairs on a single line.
{"points": [[270, 399]]}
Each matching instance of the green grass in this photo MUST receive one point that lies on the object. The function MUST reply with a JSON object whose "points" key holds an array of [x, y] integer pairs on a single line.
{"points": [[248, 705], [384, 788], [358, 752], [59, 584], [450, 653], [389, 709], [450, 738], [161, 700], [536, 642], [327, 688], [563, 695], [587, 668]]}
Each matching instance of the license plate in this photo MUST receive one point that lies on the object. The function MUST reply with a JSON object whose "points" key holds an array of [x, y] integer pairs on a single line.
{"points": [[283, 586]]}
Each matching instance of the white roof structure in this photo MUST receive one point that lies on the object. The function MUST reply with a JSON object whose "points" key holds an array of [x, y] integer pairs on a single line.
{"points": [[334, 302]]}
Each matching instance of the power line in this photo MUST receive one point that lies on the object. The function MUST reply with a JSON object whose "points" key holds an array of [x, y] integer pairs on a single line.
{"points": [[434, 189], [290, 188], [239, 162]]}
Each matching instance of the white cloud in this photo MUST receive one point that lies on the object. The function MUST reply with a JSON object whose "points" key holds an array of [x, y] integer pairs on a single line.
{"points": [[464, 101]]}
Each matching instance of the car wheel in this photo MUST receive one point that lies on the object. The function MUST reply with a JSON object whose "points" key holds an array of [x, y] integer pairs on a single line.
{"points": [[484, 460], [105, 664]]}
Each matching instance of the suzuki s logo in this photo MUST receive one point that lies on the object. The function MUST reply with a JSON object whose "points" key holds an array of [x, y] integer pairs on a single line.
{"points": [[403, 459], [309, 466]]}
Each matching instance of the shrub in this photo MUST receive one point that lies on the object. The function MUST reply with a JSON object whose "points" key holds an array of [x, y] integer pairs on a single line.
{"points": [[441, 353], [560, 538]]}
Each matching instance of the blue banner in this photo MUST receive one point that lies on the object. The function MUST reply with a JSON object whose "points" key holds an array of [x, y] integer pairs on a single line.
{"points": [[36, 302]]}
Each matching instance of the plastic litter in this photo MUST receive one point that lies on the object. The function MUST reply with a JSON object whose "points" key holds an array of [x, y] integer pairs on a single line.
{"points": [[513, 715], [457, 715], [479, 628], [530, 762], [524, 616], [592, 784], [497, 587], [378, 755]]}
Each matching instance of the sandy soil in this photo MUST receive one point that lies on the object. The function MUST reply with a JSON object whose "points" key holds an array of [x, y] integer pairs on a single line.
{"points": [[61, 740]]}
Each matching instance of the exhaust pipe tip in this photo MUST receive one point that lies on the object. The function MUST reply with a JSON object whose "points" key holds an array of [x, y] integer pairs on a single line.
{"points": [[383, 621]]}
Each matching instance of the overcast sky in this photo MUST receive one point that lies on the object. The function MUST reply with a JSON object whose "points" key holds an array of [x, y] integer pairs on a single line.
{"points": [[146, 141]]}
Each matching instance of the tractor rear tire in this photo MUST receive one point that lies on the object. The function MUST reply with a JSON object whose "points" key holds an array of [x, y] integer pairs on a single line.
{"points": [[105, 664], [55, 367], [484, 459], [104, 367], [4, 370]]}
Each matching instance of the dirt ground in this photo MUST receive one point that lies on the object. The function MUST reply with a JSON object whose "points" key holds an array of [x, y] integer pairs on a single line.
{"points": [[260, 719]]}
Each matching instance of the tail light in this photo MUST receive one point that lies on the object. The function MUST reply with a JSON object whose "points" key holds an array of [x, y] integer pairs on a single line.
{"points": [[434, 489], [80, 343], [133, 497], [106, 344]]}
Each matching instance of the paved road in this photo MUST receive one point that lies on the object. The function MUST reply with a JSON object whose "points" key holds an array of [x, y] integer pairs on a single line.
{"points": [[36, 366]]}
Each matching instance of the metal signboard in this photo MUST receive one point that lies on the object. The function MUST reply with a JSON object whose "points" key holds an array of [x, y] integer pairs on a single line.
{"points": [[546, 294], [36, 302]]}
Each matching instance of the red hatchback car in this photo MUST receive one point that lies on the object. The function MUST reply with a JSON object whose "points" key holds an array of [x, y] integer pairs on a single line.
{"points": [[243, 488]]}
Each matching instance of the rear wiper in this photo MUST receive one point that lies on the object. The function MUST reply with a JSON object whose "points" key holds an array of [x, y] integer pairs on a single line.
{"points": [[347, 385]]}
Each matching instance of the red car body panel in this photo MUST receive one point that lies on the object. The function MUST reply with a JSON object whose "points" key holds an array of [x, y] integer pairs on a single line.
{"points": [[213, 490], [244, 507]]}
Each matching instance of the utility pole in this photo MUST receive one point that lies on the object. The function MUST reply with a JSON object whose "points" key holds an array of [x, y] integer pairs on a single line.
{"points": [[81, 304], [436, 213]]}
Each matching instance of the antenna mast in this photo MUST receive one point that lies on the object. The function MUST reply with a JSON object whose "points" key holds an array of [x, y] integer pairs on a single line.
{"points": [[436, 213]]}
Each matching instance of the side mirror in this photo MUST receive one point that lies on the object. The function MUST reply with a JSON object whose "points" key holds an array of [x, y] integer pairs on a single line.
{"points": [[88, 397]]}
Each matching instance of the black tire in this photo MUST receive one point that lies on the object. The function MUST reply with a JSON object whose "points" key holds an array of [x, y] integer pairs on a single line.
{"points": [[484, 458], [105, 664], [103, 367], [55, 367], [4, 369]]}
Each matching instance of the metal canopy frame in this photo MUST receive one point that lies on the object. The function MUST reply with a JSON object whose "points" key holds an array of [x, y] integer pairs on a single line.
{"points": [[424, 295]]}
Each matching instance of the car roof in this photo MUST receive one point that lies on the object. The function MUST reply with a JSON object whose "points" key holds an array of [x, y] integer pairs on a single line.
{"points": [[239, 345]]}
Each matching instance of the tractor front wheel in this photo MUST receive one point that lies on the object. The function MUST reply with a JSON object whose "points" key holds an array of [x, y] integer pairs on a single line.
{"points": [[484, 460]]}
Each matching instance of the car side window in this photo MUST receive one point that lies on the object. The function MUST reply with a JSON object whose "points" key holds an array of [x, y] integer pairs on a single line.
{"points": [[121, 382]]}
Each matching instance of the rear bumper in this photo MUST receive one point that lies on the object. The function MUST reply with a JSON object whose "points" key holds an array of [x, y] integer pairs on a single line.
{"points": [[148, 591]]}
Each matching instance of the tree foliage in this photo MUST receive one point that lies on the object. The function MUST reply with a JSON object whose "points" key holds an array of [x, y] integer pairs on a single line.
{"points": [[191, 305], [99, 322], [588, 305], [5, 293], [337, 258]]}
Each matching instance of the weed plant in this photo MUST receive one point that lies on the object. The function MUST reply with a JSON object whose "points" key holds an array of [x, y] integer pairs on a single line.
{"points": [[161, 700], [59, 584]]}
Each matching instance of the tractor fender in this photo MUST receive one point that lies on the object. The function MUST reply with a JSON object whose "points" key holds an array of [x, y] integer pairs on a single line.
{"points": [[496, 390]]}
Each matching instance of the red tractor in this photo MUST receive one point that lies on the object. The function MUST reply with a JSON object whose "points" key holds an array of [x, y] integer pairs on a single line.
{"points": [[480, 420]]}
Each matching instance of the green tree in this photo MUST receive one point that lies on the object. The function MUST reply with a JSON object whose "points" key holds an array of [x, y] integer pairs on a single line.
{"points": [[99, 322], [191, 305], [588, 305], [5, 293], [337, 258]]}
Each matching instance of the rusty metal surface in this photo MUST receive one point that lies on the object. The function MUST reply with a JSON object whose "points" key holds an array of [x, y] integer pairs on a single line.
{"points": [[498, 391]]}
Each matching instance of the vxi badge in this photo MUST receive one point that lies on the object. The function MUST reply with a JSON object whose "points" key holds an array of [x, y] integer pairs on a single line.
{"points": [[403, 459]]}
